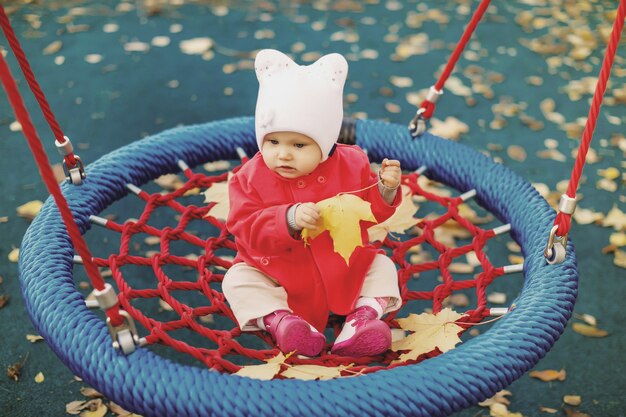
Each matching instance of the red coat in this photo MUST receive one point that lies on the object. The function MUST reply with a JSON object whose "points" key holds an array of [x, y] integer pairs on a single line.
{"points": [[317, 279]]}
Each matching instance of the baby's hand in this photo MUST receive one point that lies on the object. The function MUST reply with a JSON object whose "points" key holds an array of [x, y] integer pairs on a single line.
{"points": [[307, 216], [390, 173]]}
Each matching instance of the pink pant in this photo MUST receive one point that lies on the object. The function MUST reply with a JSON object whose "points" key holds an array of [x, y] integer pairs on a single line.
{"points": [[252, 294]]}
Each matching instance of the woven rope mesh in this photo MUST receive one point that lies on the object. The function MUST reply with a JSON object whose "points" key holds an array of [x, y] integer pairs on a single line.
{"points": [[171, 259]]}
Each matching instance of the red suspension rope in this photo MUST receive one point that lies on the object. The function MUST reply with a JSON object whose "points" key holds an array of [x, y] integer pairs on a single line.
{"points": [[429, 104], [45, 170], [563, 220], [70, 159]]}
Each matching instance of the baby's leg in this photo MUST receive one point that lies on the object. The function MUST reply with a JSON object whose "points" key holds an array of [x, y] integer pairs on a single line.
{"points": [[381, 283], [259, 303], [363, 333], [252, 295]]}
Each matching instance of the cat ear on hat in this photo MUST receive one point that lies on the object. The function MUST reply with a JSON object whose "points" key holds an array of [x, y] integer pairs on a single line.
{"points": [[335, 67], [269, 62]]}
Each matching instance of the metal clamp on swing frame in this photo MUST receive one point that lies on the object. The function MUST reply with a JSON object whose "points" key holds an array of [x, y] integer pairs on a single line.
{"points": [[74, 175], [417, 126], [124, 336], [556, 249]]}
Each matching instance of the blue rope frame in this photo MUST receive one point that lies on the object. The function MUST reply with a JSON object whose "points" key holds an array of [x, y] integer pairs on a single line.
{"points": [[153, 386]]}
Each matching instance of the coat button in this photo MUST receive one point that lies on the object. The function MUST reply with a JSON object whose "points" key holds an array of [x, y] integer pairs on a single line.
{"points": [[265, 261], [301, 184], [321, 179]]}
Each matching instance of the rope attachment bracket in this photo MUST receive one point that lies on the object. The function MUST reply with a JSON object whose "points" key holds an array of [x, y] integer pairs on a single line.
{"points": [[417, 126], [124, 336], [75, 174], [556, 249]]}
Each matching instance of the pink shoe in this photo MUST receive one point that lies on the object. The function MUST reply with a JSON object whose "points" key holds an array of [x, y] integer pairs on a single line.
{"points": [[363, 334], [292, 333]]}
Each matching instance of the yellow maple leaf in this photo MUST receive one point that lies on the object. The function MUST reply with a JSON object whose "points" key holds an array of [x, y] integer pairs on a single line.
{"points": [[265, 371], [30, 210], [400, 221], [218, 193], [341, 215], [549, 375], [615, 219], [430, 331], [312, 372]]}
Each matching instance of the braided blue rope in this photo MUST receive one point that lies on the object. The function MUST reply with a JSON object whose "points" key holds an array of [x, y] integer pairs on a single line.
{"points": [[153, 386]]}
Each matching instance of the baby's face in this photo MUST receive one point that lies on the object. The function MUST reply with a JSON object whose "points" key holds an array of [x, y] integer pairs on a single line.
{"points": [[290, 154]]}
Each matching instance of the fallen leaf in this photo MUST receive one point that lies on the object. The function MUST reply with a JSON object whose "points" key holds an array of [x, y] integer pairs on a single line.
{"points": [[59, 173], [265, 371], [53, 48], [32, 338], [14, 255], [497, 298], [574, 400], [217, 166], [93, 58], [117, 409], [618, 239], [548, 410], [196, 46], [460, 268], [430, 331], [516, 152], [610, 173], [30, 209], [587, 318], [401, 82], [160, 41], [586, 216], [4, 219], [94, 408], [400, 221], [218, 193], [589, 331], [451, 128], [136, 46], [39, 378], [341, 216], [513, 247], [552, 154], [152, 240], [313, 372], [615, 218], [75, 407], [501, 410], [606, 185], [498, 398], [393, 108], [164, 305], [15, 126], [620, 258], [549, 375], [458, 300], [170, 182], [90, 392]]}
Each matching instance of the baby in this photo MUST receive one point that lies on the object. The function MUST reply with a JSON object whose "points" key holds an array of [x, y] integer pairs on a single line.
{"points": [[277, 283]]}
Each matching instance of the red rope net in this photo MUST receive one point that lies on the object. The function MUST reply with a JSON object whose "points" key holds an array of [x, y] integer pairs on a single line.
{"points": [[197, 307]]}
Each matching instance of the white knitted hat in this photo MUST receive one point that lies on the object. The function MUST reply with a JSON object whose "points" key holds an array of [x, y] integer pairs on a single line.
{"points": [[306, 99]]}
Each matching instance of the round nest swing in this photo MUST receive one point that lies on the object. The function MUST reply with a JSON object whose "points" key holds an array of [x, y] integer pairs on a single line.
{"points": [[151, 385]]}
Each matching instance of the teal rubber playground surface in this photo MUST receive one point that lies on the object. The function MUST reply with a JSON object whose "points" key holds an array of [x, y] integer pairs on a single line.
{"points": [[115, 72]]}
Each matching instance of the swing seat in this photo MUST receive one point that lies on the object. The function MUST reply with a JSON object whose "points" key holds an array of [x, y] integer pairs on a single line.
{"points": [[151, 385]]}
